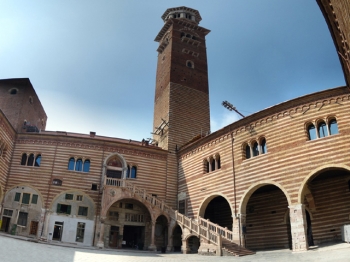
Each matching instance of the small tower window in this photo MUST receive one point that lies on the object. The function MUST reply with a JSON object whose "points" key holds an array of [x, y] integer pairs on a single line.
{"points": [[190, 64], [247, 151], [13, 91], [255, 149]]}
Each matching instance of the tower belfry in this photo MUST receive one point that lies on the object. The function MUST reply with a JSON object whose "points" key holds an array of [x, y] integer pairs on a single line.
{"points": [[181, 105]]}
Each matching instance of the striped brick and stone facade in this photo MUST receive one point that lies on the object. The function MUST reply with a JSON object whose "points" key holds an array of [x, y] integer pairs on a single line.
{"points": [[279, 178]]}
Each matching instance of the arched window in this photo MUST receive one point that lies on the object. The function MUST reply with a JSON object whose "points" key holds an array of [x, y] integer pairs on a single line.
{"points": [[133, 172], [263, 146], [311, 132], [333, 127], [218, 161], [322, 129], [128, 172], [30, 160], [189, 64], [206, 165], [247, 152], [71, 163], [212, 162], [86, 167], [37, 160], [24, 159], [255, 149], [79, 165]]}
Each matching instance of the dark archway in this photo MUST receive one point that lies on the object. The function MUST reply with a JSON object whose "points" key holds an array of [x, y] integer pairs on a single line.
{"points": [[266, 226], [193, 244], [218, 211], [326, 195], [177, 238], [161, 232]]}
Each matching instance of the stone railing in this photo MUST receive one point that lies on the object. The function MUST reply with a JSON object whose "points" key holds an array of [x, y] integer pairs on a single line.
{"points": [[202, 227], [141, 193]]}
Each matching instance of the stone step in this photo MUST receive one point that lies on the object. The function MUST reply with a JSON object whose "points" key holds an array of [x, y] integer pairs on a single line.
{"points": [[235, 249]]}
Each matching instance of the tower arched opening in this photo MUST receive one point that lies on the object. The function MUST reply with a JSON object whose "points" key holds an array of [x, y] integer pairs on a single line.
{"points": [[265, 225], [193, 244], [326, 196]]}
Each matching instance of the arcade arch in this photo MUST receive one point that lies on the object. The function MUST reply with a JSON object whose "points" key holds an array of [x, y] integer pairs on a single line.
{"points": [[265, 217], [325, 196], [218, 210], [128, 224]]}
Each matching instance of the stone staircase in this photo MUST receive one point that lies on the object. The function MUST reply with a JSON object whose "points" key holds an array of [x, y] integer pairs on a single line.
{"points": [[215, 234]]}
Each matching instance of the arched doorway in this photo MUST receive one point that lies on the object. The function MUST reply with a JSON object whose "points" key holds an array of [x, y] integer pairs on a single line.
{"points": [[128, 225], [177, 238], [326, 195], [266, 225], [217, 210], [161, 232], [193, 244]]}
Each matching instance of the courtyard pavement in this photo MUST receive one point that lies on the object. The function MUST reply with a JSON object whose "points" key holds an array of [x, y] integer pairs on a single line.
{"points": [[18, 249]]}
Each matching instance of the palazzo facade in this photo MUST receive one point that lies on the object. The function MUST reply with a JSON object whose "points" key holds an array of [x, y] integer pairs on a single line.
{"points": [[279, 178]]}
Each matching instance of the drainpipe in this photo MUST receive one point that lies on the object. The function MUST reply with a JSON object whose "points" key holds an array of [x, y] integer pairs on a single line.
{"points": [[48, 191], [234, 183], [98, 209]]}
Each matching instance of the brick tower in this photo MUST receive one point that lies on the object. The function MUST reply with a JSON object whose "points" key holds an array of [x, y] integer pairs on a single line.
{"points": [[181, 106]]}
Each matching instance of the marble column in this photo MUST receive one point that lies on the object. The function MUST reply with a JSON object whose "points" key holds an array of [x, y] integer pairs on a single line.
{"points": [[100, 243], [152, 246], [298, 226]]}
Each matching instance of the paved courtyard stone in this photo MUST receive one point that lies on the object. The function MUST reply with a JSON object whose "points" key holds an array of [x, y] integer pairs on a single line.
{"points": [[18, 250]]}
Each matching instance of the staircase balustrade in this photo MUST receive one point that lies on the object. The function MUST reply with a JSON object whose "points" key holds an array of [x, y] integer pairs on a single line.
{"points": [[202, 227]]}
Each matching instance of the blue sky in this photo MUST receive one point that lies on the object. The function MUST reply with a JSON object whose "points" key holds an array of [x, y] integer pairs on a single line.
{"points": [[93, 63]]}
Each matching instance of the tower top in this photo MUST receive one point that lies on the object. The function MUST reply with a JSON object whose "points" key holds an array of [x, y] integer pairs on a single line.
{"points": [[182, 12]]}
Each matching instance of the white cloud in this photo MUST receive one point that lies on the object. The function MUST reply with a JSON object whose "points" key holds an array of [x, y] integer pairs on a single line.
{"points": [[220, 121]]}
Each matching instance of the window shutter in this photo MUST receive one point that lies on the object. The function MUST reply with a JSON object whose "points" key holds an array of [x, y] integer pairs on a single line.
{"points": [[58, 208], [17, 196], [69, 209], [35, 199]]}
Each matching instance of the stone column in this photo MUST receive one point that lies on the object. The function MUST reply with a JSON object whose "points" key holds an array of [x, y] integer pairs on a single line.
{"points": [[242, 228], [184, 248], [121, 233], [152, 246], [170, 247], [298, 226], [100, 243], [235, 229]]}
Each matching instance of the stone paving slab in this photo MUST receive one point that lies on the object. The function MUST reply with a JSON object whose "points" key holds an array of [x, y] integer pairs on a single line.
{"points": [[19, 249]]}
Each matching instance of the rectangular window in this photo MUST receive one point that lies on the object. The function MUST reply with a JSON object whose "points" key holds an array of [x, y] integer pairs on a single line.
{"points": [[34, 199], [69, 196], [182, 207], [113, 215], [17, 197], [25, 198], [63, 209], [22, 219], [129, 206], [79, 198], [94, 187], [8, 212], [83, 211], [80, 232]]}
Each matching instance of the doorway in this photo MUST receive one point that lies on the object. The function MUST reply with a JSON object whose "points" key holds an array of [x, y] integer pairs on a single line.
{"points": [[310, 238], [134, 237], [33, 227], [113, 237], [57, 231], [5, 224]]}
